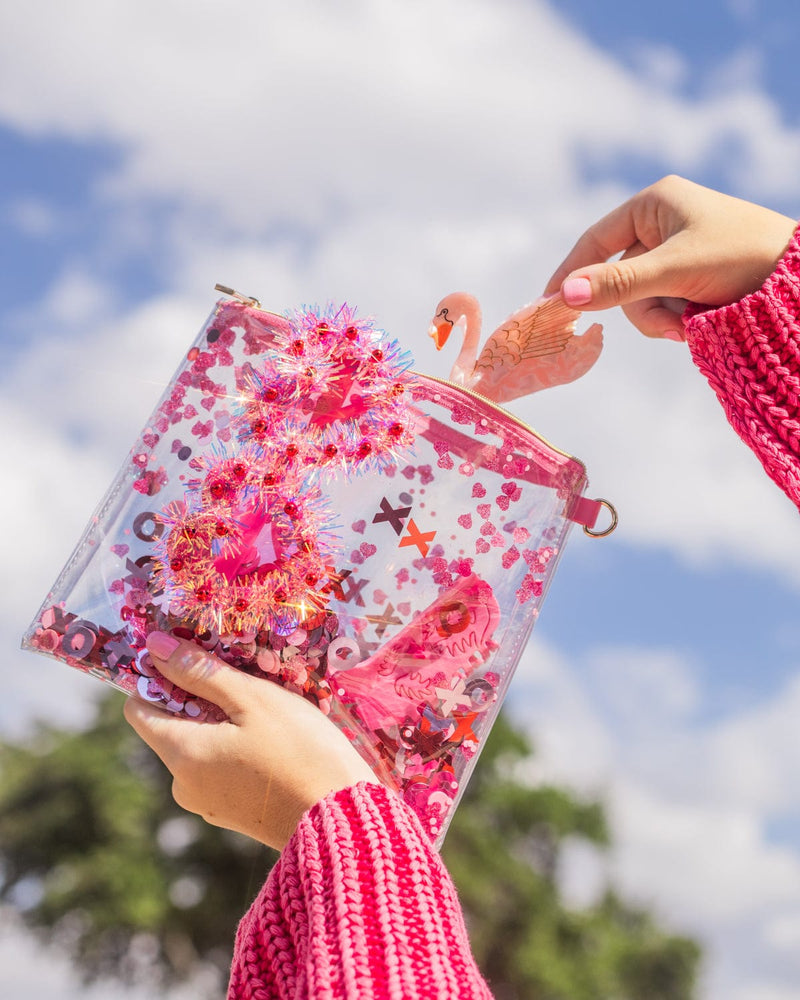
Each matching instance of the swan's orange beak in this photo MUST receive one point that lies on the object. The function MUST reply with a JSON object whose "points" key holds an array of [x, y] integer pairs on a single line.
{"points": [[439, 331]]}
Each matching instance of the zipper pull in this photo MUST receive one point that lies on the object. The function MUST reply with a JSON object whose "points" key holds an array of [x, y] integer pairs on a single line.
{"points": [[247, 299]]}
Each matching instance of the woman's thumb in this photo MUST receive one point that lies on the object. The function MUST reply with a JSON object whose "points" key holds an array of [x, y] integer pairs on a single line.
{"points": [[618, 282], [199, 672]]}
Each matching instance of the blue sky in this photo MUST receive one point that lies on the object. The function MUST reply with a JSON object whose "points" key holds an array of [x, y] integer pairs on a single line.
{"points": [[389, 153]]}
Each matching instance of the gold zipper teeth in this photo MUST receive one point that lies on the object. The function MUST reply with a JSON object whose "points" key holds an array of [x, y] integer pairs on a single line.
{"points": [[502, 410]]}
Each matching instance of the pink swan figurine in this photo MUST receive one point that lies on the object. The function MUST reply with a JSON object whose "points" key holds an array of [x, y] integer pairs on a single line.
{"points": [[534, 349]]}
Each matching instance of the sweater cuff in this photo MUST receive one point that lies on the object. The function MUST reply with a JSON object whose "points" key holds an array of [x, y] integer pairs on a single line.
{"points": [[750, 353], [359, 904]]}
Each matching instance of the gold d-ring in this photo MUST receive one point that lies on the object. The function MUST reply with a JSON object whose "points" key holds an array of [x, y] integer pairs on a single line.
{"points": [[614, 521]]}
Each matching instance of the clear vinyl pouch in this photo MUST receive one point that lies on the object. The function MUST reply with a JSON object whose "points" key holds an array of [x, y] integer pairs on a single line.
{"points": [[315, 513]]}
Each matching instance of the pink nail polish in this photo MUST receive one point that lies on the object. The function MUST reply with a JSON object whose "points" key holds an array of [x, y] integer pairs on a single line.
{"points": [[673, 335], [577, 291], [162, 645]]}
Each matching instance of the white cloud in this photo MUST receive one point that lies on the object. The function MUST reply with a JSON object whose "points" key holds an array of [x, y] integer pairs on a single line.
{"points": [[31, 971], [690, 806]]}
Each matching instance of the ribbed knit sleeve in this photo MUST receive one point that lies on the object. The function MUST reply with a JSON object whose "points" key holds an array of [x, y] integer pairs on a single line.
{"points": [[750, 354], [359, 905]]}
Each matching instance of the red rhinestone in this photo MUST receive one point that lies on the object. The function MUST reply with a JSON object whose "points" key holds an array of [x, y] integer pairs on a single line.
{"points": [[311, 579], [351, 333], [279, 595], [298, 347], [364, 449], [396, 430], [241, 605], [221, 528], [176, 565], [203, 594], [323, 327], [217, 490], [269, 479], [331, 450], [259, 427], [377, 355], [398, 389], [290, 509], [270, 394], [291, 450], [240, 470]]}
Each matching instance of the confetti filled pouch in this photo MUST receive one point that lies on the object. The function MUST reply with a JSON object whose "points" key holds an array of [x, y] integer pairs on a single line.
{"points": [[312, 511]]}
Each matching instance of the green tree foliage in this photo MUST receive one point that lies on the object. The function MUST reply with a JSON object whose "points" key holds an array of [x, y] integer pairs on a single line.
{"points": [[98, 858], [503, 850], [101, 861]]}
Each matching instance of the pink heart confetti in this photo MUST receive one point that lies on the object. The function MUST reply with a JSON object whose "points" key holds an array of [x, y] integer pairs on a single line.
{"points": [[467, 469], [511, 490], [359, 526], [521, 535], [510, 557], [498, 541], [502, 502], [120, 550], [356, 557], [150, 440], [478, 490], [379, 597], [462, 566], [465, 520], [189, 412], [485, 510], [408, 472], [530, 588], [482, 545], [117, 587], [208, 402], [404, 608], [445, 462], [367, 549], [176, 446], [488, 528]]}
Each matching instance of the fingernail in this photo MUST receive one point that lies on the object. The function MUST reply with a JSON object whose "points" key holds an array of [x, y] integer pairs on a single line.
{"points": [[162, 645], [577, 291], [674, 335]]}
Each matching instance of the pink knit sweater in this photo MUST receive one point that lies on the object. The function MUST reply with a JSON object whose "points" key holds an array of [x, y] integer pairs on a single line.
{"points": [[359, 904], [750, 354]]}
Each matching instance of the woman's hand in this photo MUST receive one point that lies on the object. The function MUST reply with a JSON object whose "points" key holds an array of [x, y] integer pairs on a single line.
{"points": [[680, 242], [259, 772]]}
